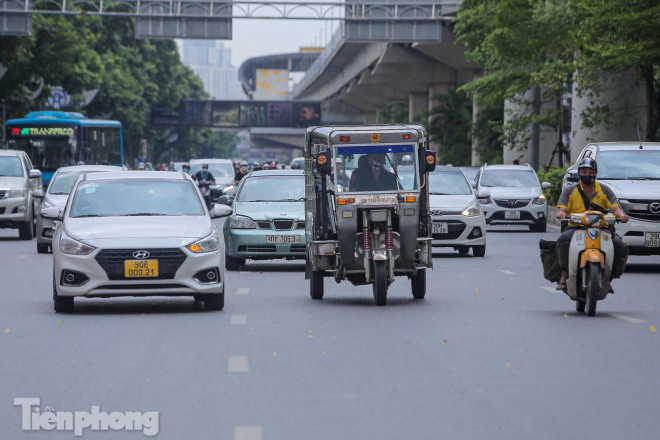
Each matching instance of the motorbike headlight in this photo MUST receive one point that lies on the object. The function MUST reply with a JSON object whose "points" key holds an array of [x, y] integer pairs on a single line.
{"points": [[577, 219], [485, 201], [208, 244], [471, 211], [16, 192], [241, 222], [74, 247], [540, 200]]}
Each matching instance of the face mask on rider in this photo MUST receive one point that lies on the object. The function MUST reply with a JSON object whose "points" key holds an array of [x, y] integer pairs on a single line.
{"points": [[377, 164], [587, 180]]}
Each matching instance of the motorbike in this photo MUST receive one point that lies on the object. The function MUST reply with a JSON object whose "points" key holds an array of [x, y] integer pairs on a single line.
{"points": [[591, 258], [205, 188]]}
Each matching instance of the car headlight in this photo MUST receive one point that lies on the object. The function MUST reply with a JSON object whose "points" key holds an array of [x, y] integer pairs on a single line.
{"points": [[486, 201], [16, 192], [241, 222], [472, 211], [208, 244], [74, 247], [540, 200]]}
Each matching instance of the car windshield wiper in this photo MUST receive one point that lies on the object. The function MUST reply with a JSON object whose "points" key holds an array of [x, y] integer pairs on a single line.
{"points": [[59, 194], [139, 214], [250, 201], [440, 194], [643, 178], [88, 215], [289, 200]]}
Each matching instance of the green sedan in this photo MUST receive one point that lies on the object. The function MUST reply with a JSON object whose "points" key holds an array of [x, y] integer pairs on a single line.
{"points": [[268, 218]]}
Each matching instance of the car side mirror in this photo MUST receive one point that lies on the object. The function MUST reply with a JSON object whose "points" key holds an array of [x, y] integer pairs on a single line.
{"points": [[52, 212], [224, 200], [546, 185], [35, 174], [38, 194], [483, 194], [572, 176], [429, 161], [219, 211]]}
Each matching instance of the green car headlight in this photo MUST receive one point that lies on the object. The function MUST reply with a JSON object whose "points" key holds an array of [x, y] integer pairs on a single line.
{"points": [[241, 222]]}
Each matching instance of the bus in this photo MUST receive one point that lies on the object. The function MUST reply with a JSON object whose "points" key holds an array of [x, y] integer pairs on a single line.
{"points": [[54, 139]]}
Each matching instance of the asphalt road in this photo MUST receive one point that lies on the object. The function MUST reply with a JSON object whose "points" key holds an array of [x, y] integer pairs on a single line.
{"points": [[491, 353]]}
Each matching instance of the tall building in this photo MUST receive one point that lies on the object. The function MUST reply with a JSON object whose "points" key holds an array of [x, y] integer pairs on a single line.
{"points": [[211, 61]]}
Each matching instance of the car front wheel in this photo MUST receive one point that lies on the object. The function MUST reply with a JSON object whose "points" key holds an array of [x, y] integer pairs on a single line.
{"points": [[232, 263]]}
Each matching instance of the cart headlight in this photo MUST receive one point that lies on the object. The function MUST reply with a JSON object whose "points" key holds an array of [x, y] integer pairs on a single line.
{"points": [[241, 222], [540, 200], [208, 244], [74, 247], [16, 192], [472, 211]]}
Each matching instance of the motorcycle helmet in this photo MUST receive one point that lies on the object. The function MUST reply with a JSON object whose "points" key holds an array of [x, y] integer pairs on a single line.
{"points": [[256, 166], [205, 166], [406, 160], [295, 166], [588, 163]]}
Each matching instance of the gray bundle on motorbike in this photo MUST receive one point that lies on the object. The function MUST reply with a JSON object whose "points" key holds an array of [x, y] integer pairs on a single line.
{"points": [[551, 269]]}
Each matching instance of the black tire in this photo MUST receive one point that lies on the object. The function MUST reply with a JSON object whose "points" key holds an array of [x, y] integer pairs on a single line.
{"points": [[42, 248], [214, 302], [463, 250], [232, 263], [380, 283], [316, 284], [579, 306], [26, 230], [533, 228], [62, 304], [542, 228], [479, 251], [592, 288], [418, 284]]}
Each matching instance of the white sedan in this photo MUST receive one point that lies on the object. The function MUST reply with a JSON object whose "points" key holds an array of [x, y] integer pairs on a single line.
{"points": [[137, 234]]}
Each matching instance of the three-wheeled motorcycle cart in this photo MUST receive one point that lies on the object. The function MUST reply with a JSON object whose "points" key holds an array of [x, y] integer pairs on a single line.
{"points": [[367, 206]]}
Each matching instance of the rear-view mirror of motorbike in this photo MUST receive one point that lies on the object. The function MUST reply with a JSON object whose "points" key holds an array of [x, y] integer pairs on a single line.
{"points": [[572, 176], [323, 162], [429, 161]]}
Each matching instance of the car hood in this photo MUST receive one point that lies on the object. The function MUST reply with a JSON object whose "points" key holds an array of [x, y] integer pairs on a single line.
{"points": [[223, 181], [271, 210], [510, 192], [58, 200], [7, 182], [634, 189], [453, 202], [165, 231]]}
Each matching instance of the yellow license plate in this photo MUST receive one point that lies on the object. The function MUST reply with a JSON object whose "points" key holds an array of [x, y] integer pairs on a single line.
{"points": [[140, 268]]}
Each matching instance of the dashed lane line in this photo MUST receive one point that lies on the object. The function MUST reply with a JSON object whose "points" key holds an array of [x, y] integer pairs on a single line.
{"points": [[238, 364], [550, 289], [507, 272], [21, 257], [242, 291], [247, 433], [626, 318], [238, 319]]}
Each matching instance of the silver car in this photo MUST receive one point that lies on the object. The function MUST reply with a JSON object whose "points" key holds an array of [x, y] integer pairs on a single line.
{"points": [[632, 171], [57, 195], [19, 184], [516, 196], [137, 233]]}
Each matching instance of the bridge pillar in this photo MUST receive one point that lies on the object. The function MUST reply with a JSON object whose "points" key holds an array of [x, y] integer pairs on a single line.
{"points": [[417, 103], [371, 118], [625, 96]]}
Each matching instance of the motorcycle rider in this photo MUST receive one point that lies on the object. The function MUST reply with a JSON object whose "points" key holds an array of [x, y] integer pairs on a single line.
{"points": [[372, 175], [204, 180], [185, 167], [588, 194], [241, 172]]}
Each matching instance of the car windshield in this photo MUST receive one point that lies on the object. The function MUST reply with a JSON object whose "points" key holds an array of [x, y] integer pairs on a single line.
{"points": [[449, 183], [375, 168], [470, 172], [10, 166], [627, 164], [135, 197], [512, 178], [218, 169], [270, 188], [63, 182]]}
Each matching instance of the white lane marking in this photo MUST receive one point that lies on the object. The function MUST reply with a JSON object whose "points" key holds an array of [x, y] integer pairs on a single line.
{"points": [[550, 289], [507, 272], [626, 318], [242, 291], [238, 319], [238, 364], [21, 257], [247, 433], [244, 271]]}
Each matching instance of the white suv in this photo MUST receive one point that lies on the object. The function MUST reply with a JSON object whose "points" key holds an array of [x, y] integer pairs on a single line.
{"points": [[516, 196], [632, 170], [19, 183]]}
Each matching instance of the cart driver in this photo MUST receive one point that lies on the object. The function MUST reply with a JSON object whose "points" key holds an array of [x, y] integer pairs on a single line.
{"points": [[373, 176]]}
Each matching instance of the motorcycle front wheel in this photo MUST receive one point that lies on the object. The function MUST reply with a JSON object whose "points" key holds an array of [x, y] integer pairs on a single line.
{"points": [[380, 283], [593, 288]]}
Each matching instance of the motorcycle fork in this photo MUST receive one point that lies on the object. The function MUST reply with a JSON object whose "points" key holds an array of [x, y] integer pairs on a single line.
{"points": [[366, 245], [591, 253]]}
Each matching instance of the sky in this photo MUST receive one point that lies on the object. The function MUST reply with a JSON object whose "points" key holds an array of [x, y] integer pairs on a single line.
{"points": [[257, 37]]}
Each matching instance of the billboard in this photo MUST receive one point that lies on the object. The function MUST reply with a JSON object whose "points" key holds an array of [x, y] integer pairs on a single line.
{"points": [[271, 84]]}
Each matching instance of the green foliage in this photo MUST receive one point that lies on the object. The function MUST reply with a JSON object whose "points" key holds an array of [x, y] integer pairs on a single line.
{"points": [[554, 176], [394, 112]]}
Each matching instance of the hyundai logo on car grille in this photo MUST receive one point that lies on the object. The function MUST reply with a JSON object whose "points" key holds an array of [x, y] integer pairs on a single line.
{"points": [[654, 208], [141, 254]]}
